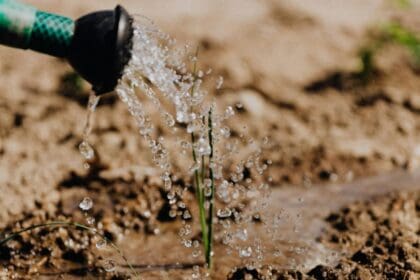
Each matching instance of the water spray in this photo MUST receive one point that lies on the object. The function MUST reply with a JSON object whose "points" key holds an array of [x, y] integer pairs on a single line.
{"points": [[97, 45]]}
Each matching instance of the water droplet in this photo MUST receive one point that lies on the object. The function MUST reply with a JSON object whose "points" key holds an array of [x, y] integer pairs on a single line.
{"points": [[147, 214], [229, 112], [93, 101], [224, 213], [171, 195], [86, 204], [185, 145], [191, 127], [219, 82], [109, 265], [181, 117], [196, 272], [207, 182], [187, 243], [242, 234], [225, 223], [227, 239], [169, 120], [172, 213], [207, 191], [86, 165], [167, 184], [90, 220], [186, 215], [101, 244], [196, 253], [266, 140], [203, 148], [86, 150], [223, 191], [245, 252], [225, 131]]}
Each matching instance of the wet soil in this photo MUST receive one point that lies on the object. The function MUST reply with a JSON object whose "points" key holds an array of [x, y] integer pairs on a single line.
{"points": [[368, 228], [292, 66], [377, 239]]}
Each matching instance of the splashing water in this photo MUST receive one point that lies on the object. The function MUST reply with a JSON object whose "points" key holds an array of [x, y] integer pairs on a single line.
{"points": [[224, 213], [86, 150], [86, 204], [101, 244], [245, 252], [109, 265], [158, 71]]}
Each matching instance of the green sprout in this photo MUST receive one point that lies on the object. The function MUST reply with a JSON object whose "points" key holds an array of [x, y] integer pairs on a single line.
{"points": [[391, 33], [206, 219], [211, 198], [404, 4], [400, 35]]}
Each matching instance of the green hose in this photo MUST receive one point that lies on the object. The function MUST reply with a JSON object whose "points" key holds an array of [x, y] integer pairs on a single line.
{"points": [[25, 27]]}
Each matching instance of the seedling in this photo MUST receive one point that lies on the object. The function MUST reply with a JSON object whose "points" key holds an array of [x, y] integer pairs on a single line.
{"points": [[405, 4], [391, 33], [400, 35], [205, 169]]}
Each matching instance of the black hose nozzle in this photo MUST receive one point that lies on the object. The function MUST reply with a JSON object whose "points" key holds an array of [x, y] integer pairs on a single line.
{"points": [[101, 47], [97, 45]]}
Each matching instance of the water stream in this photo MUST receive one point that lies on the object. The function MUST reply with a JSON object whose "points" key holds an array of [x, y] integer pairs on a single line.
{"points": [[159, 70], [85, 148], [292, 216]]}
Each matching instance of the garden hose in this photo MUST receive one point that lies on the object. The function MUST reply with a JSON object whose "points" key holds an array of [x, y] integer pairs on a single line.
{"points": [[97, 45]]}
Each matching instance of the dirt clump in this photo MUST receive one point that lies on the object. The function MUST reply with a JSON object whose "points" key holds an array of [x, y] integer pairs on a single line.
{"points": [[382, 237]]}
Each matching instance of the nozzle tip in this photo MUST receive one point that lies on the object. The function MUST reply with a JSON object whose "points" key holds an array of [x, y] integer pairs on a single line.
{"points": [[101, 47]]}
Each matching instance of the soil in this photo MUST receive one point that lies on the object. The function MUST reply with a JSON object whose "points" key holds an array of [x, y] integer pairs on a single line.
{"points": [[378, 239], [293, 68]]}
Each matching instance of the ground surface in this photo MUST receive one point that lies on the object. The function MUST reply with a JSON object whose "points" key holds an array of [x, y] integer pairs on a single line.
{"points": [[291, 67], [378, 237]]}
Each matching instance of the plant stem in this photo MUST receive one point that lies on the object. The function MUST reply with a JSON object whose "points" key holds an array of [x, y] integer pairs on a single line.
{"points": [[77, 226], [211, 207], [199, 194], [197, 177], [203, 159]]}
